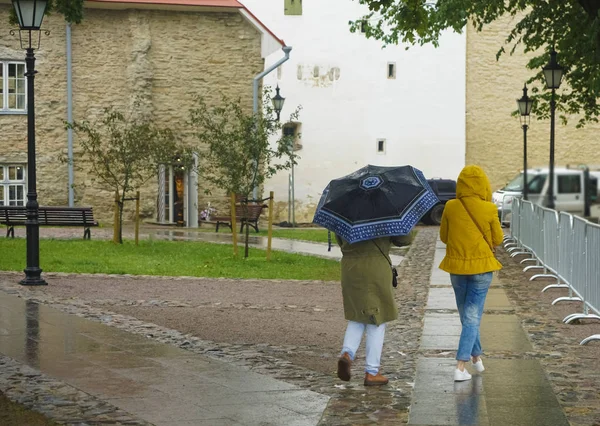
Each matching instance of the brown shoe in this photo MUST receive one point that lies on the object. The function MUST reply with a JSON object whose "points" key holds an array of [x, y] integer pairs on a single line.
{"points": [[344, 365], [377, 380]]}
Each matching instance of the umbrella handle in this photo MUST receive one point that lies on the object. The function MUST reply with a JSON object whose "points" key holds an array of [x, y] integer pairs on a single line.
{"points": [[329, 240]]}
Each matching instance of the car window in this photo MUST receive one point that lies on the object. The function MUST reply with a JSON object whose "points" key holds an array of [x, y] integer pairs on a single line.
{"points": [[516, 184], [536, 184], [444, 186], [593, 189], [569, 184]]}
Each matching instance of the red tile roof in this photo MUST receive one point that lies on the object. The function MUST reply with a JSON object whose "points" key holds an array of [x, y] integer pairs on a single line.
{"points": [[233, 4], [205, 3]]}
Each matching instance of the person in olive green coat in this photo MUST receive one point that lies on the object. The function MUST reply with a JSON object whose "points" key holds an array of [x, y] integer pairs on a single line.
{"points": [[368, 302]]}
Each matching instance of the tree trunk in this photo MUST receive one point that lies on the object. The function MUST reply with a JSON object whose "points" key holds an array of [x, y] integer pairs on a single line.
{"points": [[121, 207], [245, 207]]}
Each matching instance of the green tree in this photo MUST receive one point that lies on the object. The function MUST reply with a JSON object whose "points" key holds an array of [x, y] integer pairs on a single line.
{"points": [[72, 10], [571, 27], [125, 152], [241, 152]]}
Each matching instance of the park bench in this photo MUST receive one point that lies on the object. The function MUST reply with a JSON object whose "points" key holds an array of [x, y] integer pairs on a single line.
{"points": [[12, 216], [251, 219]]}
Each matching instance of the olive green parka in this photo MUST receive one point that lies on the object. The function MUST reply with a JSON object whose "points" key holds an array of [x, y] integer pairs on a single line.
{"points": [[367, 279]]}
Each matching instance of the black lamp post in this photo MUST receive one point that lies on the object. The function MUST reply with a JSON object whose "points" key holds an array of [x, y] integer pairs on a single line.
{"points": [[553, 74], [30, 14], [278, 102], [525, 104]]}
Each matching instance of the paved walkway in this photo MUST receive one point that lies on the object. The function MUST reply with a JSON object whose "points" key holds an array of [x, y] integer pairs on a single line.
{"points": [[165, 385], [281, 244], [511, 391], [155, 382]]}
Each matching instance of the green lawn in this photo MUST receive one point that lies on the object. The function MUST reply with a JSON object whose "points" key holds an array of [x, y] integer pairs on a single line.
{"points": [[170, 258]]}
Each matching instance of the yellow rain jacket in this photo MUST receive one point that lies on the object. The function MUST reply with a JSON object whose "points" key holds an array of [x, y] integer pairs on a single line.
{"points": [[467, 251]]}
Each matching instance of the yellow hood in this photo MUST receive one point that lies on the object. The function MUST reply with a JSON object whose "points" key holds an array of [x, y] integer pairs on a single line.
{"points": [[473, 182]]}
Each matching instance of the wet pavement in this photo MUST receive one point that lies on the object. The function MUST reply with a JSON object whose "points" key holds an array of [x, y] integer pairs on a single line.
{"points": [[158, 383], [166, 385], [513, 391]]}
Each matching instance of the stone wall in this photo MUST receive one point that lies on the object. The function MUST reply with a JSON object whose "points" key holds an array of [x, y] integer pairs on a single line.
{"points": [[51, 110], [160, 58], [494, 137]]}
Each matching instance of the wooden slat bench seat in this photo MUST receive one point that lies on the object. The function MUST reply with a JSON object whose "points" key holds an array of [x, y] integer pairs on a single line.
{"points": [[254, 212], [12, 216]]}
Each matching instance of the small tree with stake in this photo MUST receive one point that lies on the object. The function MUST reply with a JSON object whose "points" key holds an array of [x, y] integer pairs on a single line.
{"points": [[125, 152], [240, 154]]}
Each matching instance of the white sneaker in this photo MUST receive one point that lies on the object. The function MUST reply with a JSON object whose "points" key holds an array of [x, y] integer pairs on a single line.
{"points": [[478, 366], [461, 376]]}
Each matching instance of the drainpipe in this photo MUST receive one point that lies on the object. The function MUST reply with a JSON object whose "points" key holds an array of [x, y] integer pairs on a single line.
{"points": [[70, 115], [286, 50]]}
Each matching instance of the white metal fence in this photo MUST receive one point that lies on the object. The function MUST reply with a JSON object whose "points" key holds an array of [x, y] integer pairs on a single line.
{"points": [[565, 247]]}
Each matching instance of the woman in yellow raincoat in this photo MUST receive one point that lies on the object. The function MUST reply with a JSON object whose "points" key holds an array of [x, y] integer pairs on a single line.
{"points": [[471, 230]]}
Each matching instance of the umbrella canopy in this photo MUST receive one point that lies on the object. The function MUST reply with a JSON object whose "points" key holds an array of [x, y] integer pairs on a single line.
{"points": [[374, 202]]}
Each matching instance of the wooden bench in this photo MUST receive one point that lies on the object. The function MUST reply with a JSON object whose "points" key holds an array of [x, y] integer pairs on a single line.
{"points": [[254, 212], [12, 216]]}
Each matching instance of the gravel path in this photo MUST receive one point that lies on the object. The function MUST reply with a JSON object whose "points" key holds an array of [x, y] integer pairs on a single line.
{"points": [[291, 330], [297, 313]]}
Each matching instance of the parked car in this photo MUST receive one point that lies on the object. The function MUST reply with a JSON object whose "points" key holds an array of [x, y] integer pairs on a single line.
{"points": [[445, 190], [575, 190]]}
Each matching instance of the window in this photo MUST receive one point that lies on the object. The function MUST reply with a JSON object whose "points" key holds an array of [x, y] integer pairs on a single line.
{"points": [[12, 185], [536, 184], [446, 186], [293, 7], [381, 146], [292, 131], [12, 87], [569, 184], [391, 70], [593, 189]]}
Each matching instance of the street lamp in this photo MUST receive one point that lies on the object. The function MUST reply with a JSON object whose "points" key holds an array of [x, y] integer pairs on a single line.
{"points": [[30, 14], [525, 104], [553, 74], [278, 102]]}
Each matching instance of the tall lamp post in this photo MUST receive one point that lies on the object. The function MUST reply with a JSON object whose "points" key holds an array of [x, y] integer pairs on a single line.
{"points": [[278, 102], [553, 74], [525, 104], [30, 14]]}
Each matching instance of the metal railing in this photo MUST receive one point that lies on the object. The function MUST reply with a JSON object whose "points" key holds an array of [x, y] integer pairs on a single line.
{"points": [[566, 247]]}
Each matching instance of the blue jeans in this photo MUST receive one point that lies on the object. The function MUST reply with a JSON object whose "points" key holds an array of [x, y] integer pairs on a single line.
{"points": [[470, 292], [374, 344]]}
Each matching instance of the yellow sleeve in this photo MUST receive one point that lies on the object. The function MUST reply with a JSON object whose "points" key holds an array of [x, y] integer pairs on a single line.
{"points": [[497, 233], [444, 228]]}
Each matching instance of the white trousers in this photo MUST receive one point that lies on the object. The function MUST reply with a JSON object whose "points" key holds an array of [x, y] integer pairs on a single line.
{"points": [[374, 343]]}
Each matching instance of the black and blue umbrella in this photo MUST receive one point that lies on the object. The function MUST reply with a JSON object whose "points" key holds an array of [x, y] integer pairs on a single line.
{"points": [[375, 202]]}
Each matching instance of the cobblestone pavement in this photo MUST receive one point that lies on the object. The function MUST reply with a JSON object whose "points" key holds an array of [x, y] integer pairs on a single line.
{"points": [[572, 370], [352, 403], [57, 400]]}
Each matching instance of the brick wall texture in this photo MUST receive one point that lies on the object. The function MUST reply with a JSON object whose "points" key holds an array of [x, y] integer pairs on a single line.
{"points": [[494, 137], [164, 58]]}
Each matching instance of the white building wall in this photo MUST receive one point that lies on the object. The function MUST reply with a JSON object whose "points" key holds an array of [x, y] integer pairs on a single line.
{"points": [[420, 114]]}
